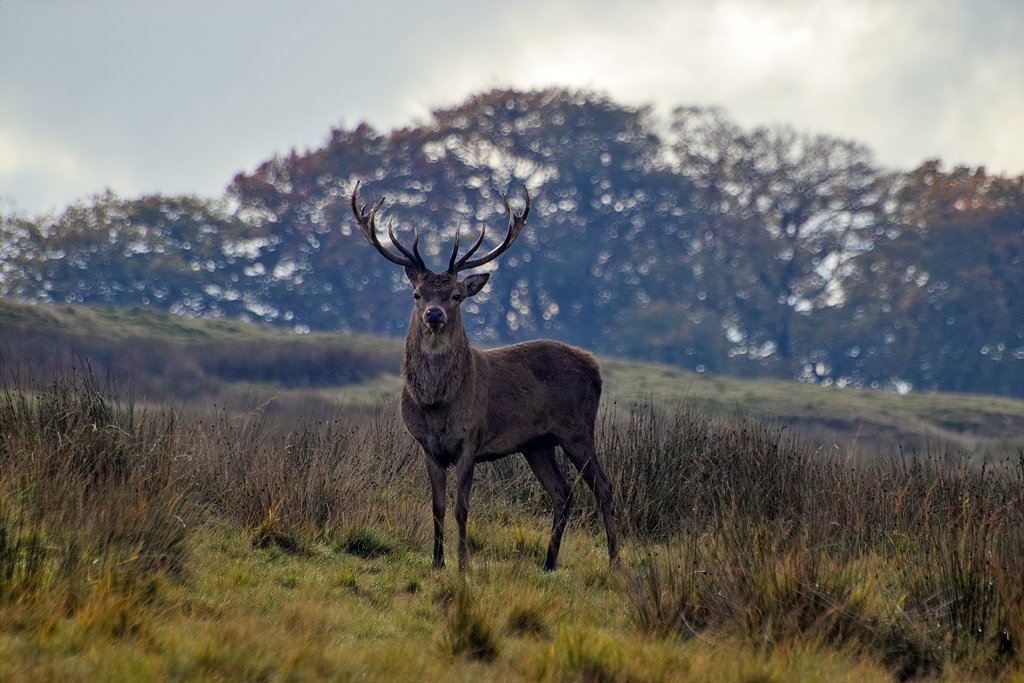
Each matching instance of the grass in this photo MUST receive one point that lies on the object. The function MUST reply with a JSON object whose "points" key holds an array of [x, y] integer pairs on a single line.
{"points": [[192, 359], [238, 365], [853, 418], [178, 544]]}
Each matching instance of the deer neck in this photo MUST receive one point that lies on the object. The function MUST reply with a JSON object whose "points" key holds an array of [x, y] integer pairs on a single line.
{"points": [[436, 365]]}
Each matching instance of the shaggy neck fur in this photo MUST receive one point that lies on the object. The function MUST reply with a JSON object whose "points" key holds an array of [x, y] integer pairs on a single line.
{"points": [[436, 364]]}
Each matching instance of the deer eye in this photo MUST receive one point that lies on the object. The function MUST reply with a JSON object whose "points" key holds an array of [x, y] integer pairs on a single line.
{"points": [[456, 298], [416, 296]]}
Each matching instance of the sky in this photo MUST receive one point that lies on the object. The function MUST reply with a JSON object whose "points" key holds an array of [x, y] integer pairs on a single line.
{"points": [[179, 96]]}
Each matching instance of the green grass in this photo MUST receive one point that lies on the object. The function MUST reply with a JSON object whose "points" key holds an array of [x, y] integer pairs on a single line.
{"points": [[192, 360], [848, 415], [247, 614], [148, 323], [166, 544]]}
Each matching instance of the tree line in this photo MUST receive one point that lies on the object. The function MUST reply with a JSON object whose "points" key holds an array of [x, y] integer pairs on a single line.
{"points": [[692, 241]]}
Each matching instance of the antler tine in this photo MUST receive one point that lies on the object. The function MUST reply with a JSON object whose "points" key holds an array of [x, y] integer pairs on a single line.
{"points": [[455, 266], [367, 221], [455, 251], [515, 226], [414, 256]]}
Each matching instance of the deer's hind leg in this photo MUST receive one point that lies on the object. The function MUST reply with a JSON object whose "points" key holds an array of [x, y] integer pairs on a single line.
{"points": [[541, 460], [583, 455]]}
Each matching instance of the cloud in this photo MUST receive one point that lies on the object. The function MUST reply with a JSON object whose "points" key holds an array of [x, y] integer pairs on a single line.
{"points": [[41, 174], [19, 155], [912, 80], [179, 96]]}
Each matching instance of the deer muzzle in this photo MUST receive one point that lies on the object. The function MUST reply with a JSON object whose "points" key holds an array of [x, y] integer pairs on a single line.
{"points": [[434, 317]]}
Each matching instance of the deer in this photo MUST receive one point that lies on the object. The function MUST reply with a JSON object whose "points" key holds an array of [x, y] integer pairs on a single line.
{"points": [[466, 406]]}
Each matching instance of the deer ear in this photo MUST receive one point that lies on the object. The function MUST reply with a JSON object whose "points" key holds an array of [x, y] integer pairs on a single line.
{"points": [[413, 275], [474, 283]]}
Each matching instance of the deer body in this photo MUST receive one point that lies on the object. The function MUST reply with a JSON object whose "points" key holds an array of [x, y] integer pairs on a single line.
{"points": [[465, 406]]}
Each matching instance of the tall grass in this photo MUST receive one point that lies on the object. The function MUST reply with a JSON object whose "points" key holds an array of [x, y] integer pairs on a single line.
{"points": [[95, 497], [736, 530], [314, 480], [914, 558], [682, 467]]}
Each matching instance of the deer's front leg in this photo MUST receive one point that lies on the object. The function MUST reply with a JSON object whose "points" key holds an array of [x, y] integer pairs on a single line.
{"points": [[437, 485], [464, 474]]}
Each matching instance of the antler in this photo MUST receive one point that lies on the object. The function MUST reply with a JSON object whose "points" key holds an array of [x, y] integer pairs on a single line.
{"points": [[516, 221], [368, 226]]}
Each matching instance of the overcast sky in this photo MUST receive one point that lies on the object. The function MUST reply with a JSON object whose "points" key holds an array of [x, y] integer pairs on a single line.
{"points": [[178, 97]]}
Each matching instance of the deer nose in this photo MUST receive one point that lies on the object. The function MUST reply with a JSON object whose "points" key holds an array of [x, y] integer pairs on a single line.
{"points": [[434, 315]]}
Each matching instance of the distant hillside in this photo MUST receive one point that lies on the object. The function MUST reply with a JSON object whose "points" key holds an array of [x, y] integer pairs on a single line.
{"points": [[200, 361], [164, 355], [833, 417]]}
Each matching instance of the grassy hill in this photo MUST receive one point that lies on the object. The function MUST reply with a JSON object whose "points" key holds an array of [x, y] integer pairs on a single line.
{"points": [[239, 364], [162, 356]]}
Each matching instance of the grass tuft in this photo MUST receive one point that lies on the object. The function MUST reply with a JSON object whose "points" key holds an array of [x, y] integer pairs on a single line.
{"points": [[527, 616], [586, 655], [93, 502], [274, 532], [470, 630], [366, 543]]}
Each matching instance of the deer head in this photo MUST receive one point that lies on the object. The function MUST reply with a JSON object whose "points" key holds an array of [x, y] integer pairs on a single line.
{"points": [[438, 296]]}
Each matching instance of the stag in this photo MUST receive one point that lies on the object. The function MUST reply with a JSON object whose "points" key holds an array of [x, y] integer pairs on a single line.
{"points": [[466, 406]]}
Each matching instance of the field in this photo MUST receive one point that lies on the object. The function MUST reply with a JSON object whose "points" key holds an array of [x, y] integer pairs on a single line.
{"points": [[150, 539], [237, 365]]}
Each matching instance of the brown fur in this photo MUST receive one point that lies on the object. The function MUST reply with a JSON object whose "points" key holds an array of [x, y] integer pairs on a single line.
{"points": [[465, 406]]}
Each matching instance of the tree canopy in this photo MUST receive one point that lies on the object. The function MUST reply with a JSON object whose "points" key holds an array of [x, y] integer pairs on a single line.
{"points": [[692, 241]]}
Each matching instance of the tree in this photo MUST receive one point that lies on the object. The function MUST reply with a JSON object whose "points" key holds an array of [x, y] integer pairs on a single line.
{"points": [[603, 210], [763, 251], [782, 213], [938, 302], [182, 254]]}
